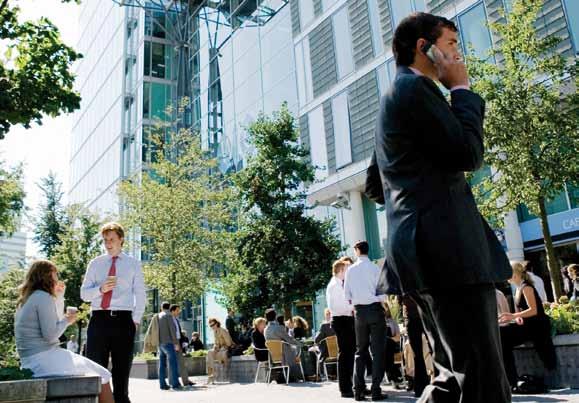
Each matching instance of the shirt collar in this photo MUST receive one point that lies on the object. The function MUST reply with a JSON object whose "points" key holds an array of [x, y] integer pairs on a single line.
{"points": [[416, 71], [363, 258]]}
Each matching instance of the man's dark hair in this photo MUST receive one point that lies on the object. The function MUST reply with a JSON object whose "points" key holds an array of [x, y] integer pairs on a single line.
{"points": [[165, 306], [174, 308], [362, 246], [280, 319], [414, 27], [270, 314]]}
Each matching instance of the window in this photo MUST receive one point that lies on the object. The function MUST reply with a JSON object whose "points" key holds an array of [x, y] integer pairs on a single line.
{"points": [[392, 69], [383, 79], [572, 12], [303, 71], [374, 13], [146, 99], [475, 32], [147, 61], [400, 9], [342, 137], [573, 192], [160, 60], [326, 4], [306, 12], [318, 149], [553, 206], [160, 99], [343, 43]]}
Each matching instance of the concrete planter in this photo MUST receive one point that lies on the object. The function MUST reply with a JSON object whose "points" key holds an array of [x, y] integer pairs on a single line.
{"points": [[27, 391], [149, 369], [80, 389], [567, 372], [242, 369]]}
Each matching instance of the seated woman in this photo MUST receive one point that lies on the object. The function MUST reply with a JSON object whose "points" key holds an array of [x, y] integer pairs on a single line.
{"points": [[222, 343], [573, 271], [325, 331], [392, 347], [196, 342], [529, 323], [300, 327], [258, 339], [37, 327]]}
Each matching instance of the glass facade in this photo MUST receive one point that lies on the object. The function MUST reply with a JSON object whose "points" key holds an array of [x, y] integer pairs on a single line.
{"points": [[342, 136], [343, 41], [474, 31], [572, 13]]}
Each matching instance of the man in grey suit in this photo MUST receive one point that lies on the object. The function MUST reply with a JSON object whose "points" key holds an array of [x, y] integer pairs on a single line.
{"points": [[275, 331], [168, 349]]}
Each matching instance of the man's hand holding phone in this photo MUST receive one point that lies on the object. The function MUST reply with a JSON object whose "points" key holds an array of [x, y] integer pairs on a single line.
{"points": [[451, 68]]}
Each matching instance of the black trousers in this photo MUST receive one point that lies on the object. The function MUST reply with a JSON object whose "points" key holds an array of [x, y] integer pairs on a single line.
{"points": [[344, 328], [462, 327], [390, 349], [415, 331], [537, 330], [370, 327], [113, 336]]}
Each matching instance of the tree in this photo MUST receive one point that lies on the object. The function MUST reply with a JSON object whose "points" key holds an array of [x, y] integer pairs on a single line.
{"points": [[284, 254], [8, 295], [49, 224], [182, 213], [79, 244], [11, 198], [531, 124], [35, 76]]}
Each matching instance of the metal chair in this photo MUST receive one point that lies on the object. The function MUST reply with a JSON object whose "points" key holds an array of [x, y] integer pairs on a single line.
{"points": [[275, 349], [332, 358], [260, 364]]}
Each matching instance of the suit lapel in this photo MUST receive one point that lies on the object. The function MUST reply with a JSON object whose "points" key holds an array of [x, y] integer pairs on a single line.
{"points": [[401, 70]]}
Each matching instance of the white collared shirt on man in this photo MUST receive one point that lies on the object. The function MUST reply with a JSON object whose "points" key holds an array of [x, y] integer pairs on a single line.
{"points": [[361, 282], [128, 294], [336, 298]]}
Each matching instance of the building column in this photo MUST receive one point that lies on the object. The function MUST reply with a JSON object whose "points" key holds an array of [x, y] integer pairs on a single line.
{"points": [[515, 248], [353, 219]]}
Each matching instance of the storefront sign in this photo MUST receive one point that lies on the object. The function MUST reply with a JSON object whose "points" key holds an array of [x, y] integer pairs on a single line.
{"points": [[560, 223]]}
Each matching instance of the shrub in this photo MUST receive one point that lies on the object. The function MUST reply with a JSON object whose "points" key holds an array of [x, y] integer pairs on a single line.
{"points": [[564, 317]]}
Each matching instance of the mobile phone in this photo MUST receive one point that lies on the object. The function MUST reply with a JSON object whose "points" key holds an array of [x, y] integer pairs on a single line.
{"points": [[428, 50]]}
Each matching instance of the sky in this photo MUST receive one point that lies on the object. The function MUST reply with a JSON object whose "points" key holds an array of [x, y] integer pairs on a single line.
{"points": [[43, 148]]}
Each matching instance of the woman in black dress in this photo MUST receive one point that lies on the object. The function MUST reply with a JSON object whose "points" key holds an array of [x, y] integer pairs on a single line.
{"points": [[258, 339], [529, 323]]}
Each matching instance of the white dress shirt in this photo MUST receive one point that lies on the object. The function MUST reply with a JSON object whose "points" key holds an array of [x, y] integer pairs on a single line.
{"points": [[128, 294], [336, 298], [361, 282], [539, 286]]}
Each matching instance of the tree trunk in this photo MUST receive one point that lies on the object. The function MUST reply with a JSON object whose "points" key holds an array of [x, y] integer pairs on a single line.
{"points": [[552, 262]]}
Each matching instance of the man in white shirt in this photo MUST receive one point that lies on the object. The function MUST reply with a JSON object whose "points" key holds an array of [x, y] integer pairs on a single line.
{"points": [[360, 289], [538, 284], [343, 324], [115, 288]]}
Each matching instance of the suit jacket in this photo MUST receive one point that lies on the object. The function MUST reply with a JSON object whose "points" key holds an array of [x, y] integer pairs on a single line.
{"points": [[151, 342], [325, 331], [167, 331], [436, 236]]}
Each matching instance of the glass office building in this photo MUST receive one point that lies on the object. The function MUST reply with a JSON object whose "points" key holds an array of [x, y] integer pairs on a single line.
{"points": [[344, 63], [330, 60]]}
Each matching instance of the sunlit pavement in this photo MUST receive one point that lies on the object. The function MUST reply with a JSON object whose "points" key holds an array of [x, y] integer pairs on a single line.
{"points": [[147, 391]]}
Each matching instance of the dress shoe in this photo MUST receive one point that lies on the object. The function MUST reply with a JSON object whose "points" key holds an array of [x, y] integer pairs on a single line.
{"points": [[165, 387], [348, 394], [359, 397]]}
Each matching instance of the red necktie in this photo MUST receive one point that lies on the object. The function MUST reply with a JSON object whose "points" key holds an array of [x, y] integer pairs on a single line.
{"points": [[107, 296]]}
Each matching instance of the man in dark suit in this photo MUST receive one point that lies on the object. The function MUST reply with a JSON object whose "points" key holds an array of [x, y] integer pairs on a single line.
{"points": [[440, 250]]}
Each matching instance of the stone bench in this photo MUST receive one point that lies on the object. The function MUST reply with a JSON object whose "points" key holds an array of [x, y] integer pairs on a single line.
{"points": [[149, 369], [78, 389], [567, 372]]}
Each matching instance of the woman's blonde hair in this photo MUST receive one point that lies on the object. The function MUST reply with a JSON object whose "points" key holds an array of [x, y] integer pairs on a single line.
{"points": [[338, 266], [298, 321], [521, 269], [39, 277], [257, 321]]}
